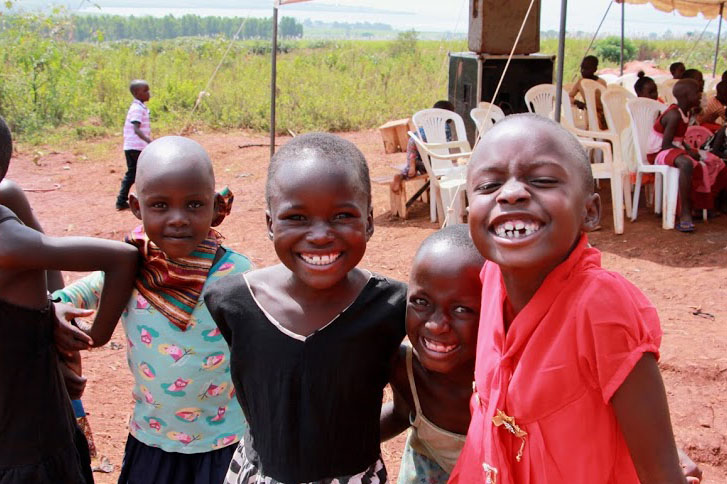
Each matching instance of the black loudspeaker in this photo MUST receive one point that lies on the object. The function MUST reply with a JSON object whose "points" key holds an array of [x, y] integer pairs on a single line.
{"points": [[473, 79], [494, 25]]}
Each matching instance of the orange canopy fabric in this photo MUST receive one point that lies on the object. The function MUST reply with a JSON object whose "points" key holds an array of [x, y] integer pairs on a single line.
{"points": [[688, 8]]}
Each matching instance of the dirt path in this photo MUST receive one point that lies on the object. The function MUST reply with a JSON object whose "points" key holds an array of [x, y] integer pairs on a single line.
{"points": [[678, 272]]}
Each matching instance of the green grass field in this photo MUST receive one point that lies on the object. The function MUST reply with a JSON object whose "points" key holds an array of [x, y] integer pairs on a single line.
{"points": [[53, 89]]}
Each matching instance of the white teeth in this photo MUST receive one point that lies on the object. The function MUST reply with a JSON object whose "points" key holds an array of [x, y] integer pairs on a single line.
{"points": [[516, 229], [438, 347], [320, 260]]}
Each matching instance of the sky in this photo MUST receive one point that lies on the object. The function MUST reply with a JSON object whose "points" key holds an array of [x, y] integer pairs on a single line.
{"points": [[425, 15], [583, 15]]}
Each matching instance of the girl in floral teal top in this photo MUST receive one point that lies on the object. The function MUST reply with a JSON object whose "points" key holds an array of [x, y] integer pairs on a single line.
{"points": [[186, 420]]}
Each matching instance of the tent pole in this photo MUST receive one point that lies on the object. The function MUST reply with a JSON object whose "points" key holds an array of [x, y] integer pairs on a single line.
{"points": [[561, 55], [623, 11], [719, 34], [273, 80]]}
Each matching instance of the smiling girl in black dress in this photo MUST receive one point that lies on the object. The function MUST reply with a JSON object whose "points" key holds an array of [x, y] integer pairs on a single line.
{"points": [[312, 338]]}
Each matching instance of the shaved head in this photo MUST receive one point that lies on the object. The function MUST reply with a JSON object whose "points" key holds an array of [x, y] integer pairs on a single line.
{"points": [[453, 238], [567, 144], [174, 154], [684, 87], [136, 84]]}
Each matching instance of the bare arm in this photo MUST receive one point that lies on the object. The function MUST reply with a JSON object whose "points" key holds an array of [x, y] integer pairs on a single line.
{"points": [[670, 121], [12, 196], [643, 415], [26, 249], [137, 131], [395, 414]]}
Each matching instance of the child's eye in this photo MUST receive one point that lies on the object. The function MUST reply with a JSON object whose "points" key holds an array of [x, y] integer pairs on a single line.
{"points": [[418, 301], [195, 204], [343, 216], [294, 217], [544, 181], [488, 187], [159, 205], [463, 310]]}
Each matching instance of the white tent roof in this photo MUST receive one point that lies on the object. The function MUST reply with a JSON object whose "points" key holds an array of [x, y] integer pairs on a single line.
{"points": [[689, 8]]}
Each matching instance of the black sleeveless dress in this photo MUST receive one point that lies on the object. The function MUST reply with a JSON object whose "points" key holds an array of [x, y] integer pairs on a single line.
{"points": [[39, 439]]}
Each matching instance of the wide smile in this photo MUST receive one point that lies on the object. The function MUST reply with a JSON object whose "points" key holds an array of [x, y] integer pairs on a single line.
{"points": [[516, 229], [438, 348], [320, 260]]}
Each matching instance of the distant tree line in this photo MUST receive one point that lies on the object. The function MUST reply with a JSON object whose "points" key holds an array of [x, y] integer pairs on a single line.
{"points": [[117, 27]]}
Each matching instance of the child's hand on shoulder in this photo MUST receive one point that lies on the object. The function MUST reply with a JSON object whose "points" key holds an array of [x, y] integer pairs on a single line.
{"points": [[67, 336]]}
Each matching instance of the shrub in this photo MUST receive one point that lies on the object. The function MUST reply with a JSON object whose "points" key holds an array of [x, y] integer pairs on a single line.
{"points": [[610, 49]]}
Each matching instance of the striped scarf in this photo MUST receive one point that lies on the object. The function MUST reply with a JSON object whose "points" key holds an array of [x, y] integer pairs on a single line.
{"points": [[173, 286]]}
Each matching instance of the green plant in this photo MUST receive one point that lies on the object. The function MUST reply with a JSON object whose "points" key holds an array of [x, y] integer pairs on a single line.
{"points": [[610, 49]]}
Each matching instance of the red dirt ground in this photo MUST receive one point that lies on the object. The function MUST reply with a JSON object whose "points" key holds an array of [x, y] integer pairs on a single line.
{"points": [[679, 272]]}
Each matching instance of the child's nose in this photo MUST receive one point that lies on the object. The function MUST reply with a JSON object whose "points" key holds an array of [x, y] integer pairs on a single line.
{"points": [[320, 233], [513, 191], [437, 324], [178, 218]]}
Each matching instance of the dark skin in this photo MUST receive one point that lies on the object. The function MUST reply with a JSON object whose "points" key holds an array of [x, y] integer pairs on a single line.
{"points": [[511, 176], [443, 306], [649, 90], [688, 95], [12, 197], [588, 71], [319, 222], [678, 71], [176, 202]]}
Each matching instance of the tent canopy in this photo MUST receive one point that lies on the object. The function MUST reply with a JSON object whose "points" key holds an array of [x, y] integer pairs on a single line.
{"points": [[688, 8]]}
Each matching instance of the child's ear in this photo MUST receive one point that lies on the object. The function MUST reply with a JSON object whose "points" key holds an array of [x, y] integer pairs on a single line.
{"points": [[269, 223], [370, 224], [134, 205], [592, 215]]}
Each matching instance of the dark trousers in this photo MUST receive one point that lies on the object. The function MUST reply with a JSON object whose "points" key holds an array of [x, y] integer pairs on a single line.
{"points": [[132, 156]]}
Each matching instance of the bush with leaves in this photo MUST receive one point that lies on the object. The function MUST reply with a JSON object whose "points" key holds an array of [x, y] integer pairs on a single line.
{"points": [[610, 49]]}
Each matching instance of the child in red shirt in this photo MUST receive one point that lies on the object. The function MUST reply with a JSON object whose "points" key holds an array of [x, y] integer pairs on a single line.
{"points": [[567, 388]]}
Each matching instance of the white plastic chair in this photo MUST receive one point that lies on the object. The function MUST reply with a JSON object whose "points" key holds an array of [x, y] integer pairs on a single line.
{"points": [[433, 122], [609, 78], [447, 192], [620, 89], [591, 91], [628, 81], [540, 100], [665, 90], [610, 167], [483, 121], [643, 113]]}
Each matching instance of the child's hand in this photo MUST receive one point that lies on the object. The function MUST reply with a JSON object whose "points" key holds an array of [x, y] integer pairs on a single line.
{"points": [[75, 383], [69, 338], [691, 470]]}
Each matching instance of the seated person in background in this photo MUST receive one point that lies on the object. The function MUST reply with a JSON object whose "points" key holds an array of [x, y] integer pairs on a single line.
{"points": [[695, 74], [666, 146], [414, 164], [646, 87], [677, 70], [713, 115], [589, 66]]}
